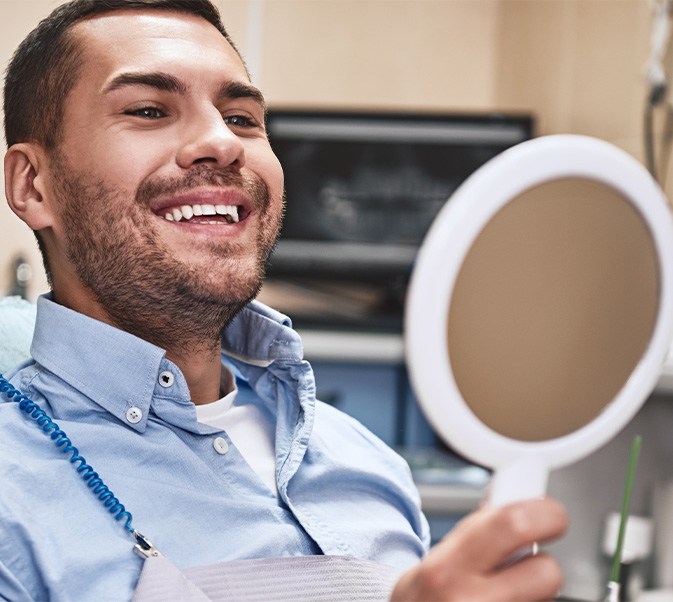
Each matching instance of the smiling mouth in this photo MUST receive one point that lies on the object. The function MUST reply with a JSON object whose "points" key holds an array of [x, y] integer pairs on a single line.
{"points": [[203, 214]]}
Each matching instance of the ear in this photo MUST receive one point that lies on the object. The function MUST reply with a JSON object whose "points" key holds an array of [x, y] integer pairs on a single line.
{"points": [[26, 184]]}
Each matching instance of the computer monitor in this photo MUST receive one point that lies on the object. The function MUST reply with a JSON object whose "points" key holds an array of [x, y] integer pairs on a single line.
{"points": [[362, 190]]}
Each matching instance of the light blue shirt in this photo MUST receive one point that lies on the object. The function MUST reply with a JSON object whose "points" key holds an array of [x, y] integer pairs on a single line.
{"points": [[127, 409]]}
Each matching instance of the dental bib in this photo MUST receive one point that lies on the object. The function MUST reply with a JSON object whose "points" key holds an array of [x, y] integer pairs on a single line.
{"points": [[287, 579]]}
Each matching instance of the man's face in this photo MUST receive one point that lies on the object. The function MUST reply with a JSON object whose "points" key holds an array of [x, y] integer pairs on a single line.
{"points": [[162, 126]]}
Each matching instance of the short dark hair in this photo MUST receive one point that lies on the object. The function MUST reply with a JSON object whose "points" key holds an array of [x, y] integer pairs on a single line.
{"points": [[45, 66]]}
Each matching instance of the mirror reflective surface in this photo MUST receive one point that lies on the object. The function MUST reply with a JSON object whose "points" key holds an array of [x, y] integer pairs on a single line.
{"points": [[553, 307]]}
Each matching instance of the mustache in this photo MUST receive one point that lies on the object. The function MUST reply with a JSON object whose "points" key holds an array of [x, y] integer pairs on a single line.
{"points": [[204, 175]]}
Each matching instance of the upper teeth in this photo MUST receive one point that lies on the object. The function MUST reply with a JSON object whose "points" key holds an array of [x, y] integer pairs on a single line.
{"points": [[186, 212]]}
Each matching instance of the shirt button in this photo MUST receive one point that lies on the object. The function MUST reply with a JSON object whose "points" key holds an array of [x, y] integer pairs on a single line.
{"points": [[166, 379], [221, 446], [134, 415]]}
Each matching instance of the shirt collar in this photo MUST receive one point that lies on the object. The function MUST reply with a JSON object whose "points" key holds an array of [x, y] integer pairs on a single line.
{"points": [[120, 371], [113, 368], [260, 335]]}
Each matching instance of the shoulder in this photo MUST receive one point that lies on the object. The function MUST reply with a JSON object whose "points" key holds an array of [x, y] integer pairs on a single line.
{"points": [[17, 432], [353, 444], [360, 470], [334, 424], [17, 426], [44, 506]]}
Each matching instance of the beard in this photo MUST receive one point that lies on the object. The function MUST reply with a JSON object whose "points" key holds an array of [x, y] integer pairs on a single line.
{"points": [[143, 287]]}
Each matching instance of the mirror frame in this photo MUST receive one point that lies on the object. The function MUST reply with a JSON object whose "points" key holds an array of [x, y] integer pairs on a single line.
{"points": [[438, 264]]}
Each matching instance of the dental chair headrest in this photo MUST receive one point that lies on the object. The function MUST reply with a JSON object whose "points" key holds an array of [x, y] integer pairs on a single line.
{"points": [[17, 322]]}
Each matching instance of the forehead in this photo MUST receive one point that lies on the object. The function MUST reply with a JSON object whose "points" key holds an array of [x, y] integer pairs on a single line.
{"points": [[138, 40]]}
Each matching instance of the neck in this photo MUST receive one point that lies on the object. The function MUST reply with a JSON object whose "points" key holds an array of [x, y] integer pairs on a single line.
{"points": [[203, 373], [191, 341]]}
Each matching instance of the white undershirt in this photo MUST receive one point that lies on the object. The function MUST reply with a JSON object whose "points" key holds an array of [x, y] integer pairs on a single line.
{"points": [[250, 430]]}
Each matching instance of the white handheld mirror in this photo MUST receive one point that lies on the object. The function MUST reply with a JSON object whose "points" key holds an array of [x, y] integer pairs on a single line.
{"points": [[540, 308]]}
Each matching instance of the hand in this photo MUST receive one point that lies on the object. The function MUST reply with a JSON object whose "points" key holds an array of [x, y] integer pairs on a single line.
{"points": [[470, 563]]}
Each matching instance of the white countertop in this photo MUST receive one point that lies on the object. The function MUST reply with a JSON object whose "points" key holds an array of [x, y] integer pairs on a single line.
{"points": [[352, 346], [449, 498]]}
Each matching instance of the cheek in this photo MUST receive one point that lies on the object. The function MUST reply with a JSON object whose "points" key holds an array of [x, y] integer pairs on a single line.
{"points": [[267, 166], [279, 176], [123, 162]]}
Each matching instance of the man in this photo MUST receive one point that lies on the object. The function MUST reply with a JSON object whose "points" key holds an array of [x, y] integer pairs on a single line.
{"points": [[138, 155]]}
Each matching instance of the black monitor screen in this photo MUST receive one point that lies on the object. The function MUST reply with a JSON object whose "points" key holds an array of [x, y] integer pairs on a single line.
{"points": [[362, 190]]}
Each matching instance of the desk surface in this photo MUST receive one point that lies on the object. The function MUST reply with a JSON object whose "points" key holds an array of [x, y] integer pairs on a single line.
{"points": [[449, 499]]}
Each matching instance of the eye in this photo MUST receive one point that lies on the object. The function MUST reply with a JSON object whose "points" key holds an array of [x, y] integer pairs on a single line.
{"points": [[240, 121], [146, 113]]}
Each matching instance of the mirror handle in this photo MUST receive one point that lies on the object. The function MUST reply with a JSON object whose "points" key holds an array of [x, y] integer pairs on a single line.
{"points": [[523, 479]]}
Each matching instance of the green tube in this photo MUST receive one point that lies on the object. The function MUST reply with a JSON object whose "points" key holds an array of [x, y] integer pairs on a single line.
{"points": [[626, 503]]}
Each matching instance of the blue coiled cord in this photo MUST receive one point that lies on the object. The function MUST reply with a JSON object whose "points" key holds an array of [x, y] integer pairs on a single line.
{"points": [[61, 440]]}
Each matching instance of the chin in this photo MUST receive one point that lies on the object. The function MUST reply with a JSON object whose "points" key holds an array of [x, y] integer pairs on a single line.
{"points": [[234, 288]]}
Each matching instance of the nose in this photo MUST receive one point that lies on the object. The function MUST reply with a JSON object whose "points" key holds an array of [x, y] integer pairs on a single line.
{"points": [[207, 139]]}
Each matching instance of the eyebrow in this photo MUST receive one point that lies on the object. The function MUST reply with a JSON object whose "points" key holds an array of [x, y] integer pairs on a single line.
{"points": [[165, 82], [159, 81], [242, 90]]}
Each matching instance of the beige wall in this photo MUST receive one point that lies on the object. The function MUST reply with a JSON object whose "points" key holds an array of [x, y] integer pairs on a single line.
{"points": [[383, 54], [578, 64]]}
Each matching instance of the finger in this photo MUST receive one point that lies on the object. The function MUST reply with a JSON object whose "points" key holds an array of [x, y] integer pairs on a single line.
{"points": [[490, 536], [535, 578]]}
